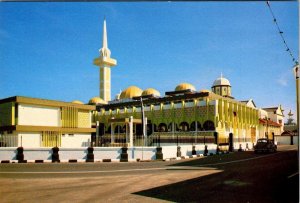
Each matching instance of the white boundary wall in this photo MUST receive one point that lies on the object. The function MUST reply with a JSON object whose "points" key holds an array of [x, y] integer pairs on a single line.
{"points": [[236, 145], [107, 152], [44, 153], [286, 140], [113, 153], [142, 153], [72, 153], [169, 152], [186, 150], [8, 153]]}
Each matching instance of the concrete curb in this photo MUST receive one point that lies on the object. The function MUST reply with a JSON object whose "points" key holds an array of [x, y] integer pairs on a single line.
{"points": [[184, 157], [99, 160]]}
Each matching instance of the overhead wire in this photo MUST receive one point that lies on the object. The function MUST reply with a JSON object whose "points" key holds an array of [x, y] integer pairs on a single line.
{"points": [[281, 34]]}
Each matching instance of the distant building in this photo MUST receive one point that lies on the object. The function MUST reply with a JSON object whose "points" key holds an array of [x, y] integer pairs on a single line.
{"points": [[290, 127], [271, 121], [31, 122]]}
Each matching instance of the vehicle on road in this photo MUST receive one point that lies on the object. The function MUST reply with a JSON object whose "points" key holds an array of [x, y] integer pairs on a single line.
{"points": [[265, 145]]}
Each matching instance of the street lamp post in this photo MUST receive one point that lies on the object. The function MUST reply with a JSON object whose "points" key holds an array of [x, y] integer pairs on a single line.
{"points": [[296, 73], [143, 120]]}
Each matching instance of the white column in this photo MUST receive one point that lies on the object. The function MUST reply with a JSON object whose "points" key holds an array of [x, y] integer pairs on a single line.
{"points": [[145, 131], [97, 133], [126, 133], [112, 132], [173, 129], [196, 128], [131, 131]]}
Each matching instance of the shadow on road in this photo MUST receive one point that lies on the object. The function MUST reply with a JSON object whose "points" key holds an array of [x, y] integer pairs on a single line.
{"points": [[257, 180]]}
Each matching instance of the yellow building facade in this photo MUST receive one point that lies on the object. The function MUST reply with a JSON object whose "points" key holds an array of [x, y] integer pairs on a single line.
{"points": [[184, 112], [32, 122]]}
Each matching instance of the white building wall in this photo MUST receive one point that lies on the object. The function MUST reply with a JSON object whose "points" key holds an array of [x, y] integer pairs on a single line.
{"points": [[262, 113], [38, 115], [29, 139], [76, 140]]}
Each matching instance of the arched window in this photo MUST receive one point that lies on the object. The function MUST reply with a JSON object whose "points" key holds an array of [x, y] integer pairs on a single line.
{"points": [[149, 129], [184, 126], [118, 129], [162, 127], [101, 129], [193, 126], [209, 125], [108, 130]]}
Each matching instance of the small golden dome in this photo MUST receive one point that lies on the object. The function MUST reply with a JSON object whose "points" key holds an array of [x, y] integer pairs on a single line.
{"points": [[97, 100], [150, 91], [205, 90], [130, 92], [77, 102], [185, 86]]}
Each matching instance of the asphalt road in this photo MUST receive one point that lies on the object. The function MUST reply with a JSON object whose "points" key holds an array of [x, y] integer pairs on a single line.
{"points": [[235, 177]]}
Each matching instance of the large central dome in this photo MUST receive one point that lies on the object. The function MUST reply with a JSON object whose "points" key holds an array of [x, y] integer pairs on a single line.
{"points": [[130, 92]]}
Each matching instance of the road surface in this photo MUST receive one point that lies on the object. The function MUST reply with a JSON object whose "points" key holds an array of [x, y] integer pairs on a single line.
{"points": [[235, 177]]}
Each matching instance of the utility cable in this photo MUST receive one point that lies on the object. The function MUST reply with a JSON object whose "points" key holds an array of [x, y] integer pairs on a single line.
{"points": [[281, 34]]}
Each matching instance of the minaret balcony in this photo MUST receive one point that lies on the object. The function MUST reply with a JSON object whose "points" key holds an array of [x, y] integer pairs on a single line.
{"points": [[105, 61]]}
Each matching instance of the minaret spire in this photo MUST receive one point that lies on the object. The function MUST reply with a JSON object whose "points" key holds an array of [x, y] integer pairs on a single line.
{"points": [[105, 63], [104, 41]]}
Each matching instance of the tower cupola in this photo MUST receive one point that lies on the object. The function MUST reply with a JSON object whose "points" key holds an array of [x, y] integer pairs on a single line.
{"points": [[222, 87]]}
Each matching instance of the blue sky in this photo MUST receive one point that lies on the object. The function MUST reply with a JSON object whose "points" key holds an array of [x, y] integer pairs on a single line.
{"points": [[47, 49]]}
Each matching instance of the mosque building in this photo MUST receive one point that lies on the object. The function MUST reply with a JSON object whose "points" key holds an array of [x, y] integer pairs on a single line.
{"points": [[184, 115]]}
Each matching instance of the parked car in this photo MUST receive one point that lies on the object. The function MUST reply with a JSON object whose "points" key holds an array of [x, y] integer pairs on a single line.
{"points": [[265, 145]]}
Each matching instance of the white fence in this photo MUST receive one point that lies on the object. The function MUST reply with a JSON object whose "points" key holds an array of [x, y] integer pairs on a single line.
{"points": [[72, 153], [286, 140], [101, 153], [44, 153], [142, 153], [107, 152], [8, 153]]}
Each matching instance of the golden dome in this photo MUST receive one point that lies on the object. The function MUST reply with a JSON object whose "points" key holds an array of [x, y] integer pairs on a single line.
{"points": [[77, 102], [97, 100], [205, 90], [185, 86], [151, 91], [130, 92]]}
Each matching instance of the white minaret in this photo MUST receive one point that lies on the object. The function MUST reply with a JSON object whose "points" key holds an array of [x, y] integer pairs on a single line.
{"points": [[105, 63]]}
